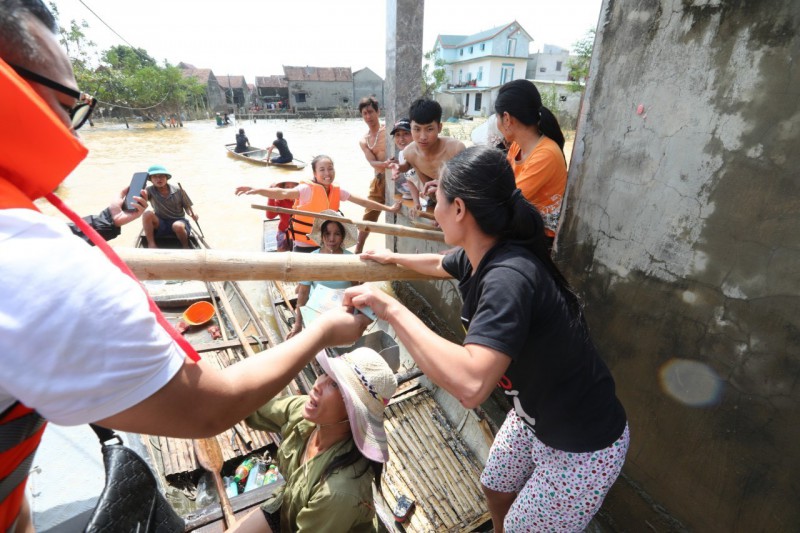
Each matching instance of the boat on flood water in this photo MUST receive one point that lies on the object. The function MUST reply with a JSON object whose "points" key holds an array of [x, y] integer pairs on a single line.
{"points": [[232, 332], [256, 156], [429, 462]]}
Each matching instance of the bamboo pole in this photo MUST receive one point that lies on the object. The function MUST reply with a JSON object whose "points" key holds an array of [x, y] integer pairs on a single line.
{"points": [[285, 297], [222, 265], [377, 227], [425, 214], [226, 305]]}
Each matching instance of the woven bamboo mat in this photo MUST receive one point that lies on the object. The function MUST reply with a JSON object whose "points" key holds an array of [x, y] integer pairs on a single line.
{"points": [[429, 463]]}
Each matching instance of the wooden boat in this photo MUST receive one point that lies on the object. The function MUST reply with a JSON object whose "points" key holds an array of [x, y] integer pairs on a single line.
{"points": [[256, 156], [242, 333], [429, 461]]}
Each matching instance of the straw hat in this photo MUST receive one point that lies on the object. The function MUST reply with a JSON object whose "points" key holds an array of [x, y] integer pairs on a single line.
{"points": [[350, 231], [367, 384], [281, 181]]}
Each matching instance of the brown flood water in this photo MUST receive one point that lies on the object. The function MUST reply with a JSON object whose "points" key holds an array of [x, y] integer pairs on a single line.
{"points": [[196, 157]]}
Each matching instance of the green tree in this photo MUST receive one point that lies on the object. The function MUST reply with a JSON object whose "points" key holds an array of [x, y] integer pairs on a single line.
{"points": [[433, 74], [125, 77], [579, 66], [132, 78], [80, 49]]}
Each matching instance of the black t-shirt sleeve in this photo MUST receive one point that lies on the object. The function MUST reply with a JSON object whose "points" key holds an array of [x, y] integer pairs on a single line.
{"points": [[102, 224], [502, 317], [454, 264]]}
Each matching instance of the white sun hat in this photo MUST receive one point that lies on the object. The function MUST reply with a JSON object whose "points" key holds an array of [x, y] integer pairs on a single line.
{"points": [[350, 230], [367, 384]]}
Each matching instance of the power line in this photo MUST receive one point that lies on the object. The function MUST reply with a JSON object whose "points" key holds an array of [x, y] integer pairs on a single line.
{"points": [[135, 50], [124, 40]]}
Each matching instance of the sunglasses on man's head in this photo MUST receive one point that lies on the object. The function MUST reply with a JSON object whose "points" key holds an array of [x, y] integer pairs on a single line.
{"points": [[80, 112]]}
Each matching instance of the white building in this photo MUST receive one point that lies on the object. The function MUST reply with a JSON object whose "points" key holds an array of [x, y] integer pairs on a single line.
{"points": [[551, 64], [477, 65]]}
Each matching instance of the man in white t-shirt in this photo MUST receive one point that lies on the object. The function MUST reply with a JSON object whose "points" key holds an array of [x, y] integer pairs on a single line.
{"points": [[77, 341]]}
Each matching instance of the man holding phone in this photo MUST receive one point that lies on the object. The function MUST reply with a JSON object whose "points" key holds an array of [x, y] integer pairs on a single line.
{"points": [[170, 204], [119, 212]]}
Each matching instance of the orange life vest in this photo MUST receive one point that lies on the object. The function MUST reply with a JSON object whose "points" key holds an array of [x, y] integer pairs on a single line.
{"points": [[300, 225], [24, 176]]}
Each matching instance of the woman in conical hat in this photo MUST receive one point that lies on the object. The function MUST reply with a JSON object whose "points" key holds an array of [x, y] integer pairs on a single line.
{"points": [[334, 237], [334, 447]]}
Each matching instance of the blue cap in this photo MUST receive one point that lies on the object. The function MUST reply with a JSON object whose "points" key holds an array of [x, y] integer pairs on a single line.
{"points": [[158, 169]]}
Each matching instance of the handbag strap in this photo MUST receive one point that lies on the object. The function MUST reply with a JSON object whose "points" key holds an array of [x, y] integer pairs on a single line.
{"points": [[105, 434]]}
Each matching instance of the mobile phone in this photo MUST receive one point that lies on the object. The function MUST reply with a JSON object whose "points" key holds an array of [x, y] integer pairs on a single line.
{"points": [[368, 312], [403, 508], [138, 182]]}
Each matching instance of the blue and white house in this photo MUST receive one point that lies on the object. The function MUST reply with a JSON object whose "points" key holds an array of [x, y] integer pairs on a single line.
{"points": [[477, 65]]}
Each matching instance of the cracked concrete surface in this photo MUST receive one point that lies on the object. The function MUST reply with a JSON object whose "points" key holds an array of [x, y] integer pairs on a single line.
{"points": [[680, 230]]}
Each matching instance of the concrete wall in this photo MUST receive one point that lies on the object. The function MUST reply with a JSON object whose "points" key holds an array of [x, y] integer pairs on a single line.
{"points": [[367, 83], [568, 102], [681, 231], [555, 65], [321, 94]]}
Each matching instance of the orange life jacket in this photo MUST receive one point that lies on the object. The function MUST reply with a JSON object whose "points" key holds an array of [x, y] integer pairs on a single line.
{"points": [[300, 225]]}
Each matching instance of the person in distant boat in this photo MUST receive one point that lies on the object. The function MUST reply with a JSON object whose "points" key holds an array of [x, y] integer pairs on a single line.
{"points": [[242, 142], [170, 204], [333, 448], [564, 441], [226, 119], [334, 238], [282, 146], [110, 219], [79, 341], [315, 196], [219, 120]]}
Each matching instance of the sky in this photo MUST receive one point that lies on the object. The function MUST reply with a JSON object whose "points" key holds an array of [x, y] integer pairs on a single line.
{"points": [[257, 37]]}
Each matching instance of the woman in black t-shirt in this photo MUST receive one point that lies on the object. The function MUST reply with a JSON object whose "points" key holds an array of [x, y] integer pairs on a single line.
{"points": [[563, 444]]}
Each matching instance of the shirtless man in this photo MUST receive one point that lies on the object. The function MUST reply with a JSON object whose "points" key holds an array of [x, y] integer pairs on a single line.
{"points": [[373, 144], [428, 151]]}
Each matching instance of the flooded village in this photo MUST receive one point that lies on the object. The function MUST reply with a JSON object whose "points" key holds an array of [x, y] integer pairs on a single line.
{"points": [[678, 232]]}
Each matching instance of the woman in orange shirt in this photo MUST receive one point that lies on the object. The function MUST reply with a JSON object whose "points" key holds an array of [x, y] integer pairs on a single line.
{"points": [[537, 149]]}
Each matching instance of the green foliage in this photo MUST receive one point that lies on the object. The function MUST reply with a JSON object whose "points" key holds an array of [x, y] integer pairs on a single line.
{"points": [[126, 77], [579, 67], [433, 74], [549, 96]]}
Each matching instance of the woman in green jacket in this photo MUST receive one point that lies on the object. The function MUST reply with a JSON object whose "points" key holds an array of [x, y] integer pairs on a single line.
{"points": [[334, 447]]}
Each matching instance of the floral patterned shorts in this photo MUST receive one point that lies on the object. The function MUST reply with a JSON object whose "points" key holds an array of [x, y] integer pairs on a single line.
{"points": [[556, 490]]}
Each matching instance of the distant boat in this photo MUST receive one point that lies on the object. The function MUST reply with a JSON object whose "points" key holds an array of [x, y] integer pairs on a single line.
{"points": [[256, 156]]}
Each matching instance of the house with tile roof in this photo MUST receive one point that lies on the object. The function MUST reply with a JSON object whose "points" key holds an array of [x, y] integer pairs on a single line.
{"points": [[367, 83], [235, 90], [319, 88], [270, 90], [477, 65], [213, 99]]}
